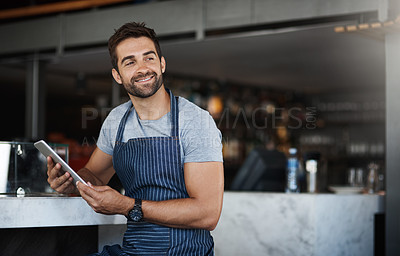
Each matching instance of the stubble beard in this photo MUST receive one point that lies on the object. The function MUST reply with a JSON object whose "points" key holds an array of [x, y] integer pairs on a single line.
{"points": [[144, 90]]}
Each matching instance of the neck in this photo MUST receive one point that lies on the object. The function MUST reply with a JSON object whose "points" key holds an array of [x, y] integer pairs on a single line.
{"points": [[154, 107]]}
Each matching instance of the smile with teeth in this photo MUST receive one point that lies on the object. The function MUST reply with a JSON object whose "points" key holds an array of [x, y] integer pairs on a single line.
{"points": [[144, 79]]}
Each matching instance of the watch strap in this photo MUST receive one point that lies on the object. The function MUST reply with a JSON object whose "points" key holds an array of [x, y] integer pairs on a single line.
{"points": [[138, 204], [136, 213]]}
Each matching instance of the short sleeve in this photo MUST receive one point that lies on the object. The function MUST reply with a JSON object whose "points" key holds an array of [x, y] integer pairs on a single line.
{"points": [[105, 141], [108, 132], [200, 137]]}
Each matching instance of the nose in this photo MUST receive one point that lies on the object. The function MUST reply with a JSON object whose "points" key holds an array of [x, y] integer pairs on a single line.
{"points": [[141, 67]]}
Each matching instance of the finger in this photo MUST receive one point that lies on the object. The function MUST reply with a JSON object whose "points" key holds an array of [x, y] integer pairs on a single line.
{"points": [[58, 181], [59, 169], [49, 160], [56, 166], [99, 188], [67, 185], [86, 190], [50, 165], [54, 172]]}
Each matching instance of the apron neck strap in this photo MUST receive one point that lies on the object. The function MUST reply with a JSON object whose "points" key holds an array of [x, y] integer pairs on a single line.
{"points": [[174, 117], [174, 114]]}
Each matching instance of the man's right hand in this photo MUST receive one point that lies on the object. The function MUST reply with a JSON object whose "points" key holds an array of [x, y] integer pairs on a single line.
{"points": [[60, 181]]}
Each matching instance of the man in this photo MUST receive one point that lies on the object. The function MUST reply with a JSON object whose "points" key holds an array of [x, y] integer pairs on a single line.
{"points": [[166, 152]]}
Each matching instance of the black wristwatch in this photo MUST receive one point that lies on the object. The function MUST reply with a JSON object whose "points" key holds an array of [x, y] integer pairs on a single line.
{"points": [[136, 213]]}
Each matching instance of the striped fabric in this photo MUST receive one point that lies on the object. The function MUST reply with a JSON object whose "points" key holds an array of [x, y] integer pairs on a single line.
{"points": [[150, 169]]}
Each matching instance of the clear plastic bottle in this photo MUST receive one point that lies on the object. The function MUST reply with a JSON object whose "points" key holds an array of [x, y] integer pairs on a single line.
{"points": [[292, 185]]}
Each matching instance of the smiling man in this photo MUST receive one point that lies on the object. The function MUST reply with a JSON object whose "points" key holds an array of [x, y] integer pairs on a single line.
{"points": [[166, 151], [140, 85]]}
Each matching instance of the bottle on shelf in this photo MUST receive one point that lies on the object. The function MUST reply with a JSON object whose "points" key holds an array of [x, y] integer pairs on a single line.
{"points": [[311, 168], [292, 171], [372, 180]]}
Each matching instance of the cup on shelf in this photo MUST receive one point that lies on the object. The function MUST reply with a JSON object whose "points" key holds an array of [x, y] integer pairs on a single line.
{"points": [[359, 182], [351, 177]]}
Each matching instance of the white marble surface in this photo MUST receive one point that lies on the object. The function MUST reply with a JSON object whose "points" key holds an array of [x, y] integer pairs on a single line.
{"points": [[296, 224], [17, 212], [251, 223]]}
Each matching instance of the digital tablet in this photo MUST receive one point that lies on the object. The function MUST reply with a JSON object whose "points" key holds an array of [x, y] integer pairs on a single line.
{"points": [[46, 150]]}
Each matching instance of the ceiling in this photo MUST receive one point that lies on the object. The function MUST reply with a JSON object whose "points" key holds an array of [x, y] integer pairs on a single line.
{"points": [[309, 59], [312, 59]]}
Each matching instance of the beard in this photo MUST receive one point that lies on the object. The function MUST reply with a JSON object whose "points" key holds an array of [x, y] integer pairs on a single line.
{"points": [[143, 90]]}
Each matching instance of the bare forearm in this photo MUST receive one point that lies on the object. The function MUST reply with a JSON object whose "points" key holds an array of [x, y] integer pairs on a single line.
{"points": [[177, 213], [205, 185], [88, 176], [182, 213]]}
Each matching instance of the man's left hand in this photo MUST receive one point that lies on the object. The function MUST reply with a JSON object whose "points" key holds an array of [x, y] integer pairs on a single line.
{"points": [[105, 200]]}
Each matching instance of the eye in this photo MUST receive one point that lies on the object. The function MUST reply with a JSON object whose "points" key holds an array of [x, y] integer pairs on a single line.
{"points": [[128, 63], [150, 58]]}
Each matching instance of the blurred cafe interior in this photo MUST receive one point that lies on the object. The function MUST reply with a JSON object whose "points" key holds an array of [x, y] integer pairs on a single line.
{"points": [[313, 81]]}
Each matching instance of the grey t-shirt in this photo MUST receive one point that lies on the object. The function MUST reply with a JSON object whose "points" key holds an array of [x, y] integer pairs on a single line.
{"points": [[200, 139]]}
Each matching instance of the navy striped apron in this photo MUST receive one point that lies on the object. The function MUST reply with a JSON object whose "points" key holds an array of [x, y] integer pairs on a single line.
{"points": [[150, 168]]}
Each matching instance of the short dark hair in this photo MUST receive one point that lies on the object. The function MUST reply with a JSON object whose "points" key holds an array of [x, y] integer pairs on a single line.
{"points": [[131, 30]]}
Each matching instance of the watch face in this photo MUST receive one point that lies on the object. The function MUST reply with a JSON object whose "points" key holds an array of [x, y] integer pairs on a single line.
{"points": [[136, 218], [136, 215]]}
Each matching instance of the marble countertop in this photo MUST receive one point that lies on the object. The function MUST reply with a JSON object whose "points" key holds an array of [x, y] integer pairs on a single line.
{"points": [[17, 212], [297, 224], [257, 223]]}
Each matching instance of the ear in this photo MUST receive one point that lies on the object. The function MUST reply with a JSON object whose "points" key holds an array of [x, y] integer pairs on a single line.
{"points": [[163, 64], [116, 76]]}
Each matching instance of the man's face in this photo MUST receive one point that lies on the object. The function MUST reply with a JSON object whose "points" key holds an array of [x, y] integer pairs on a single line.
{"points": [[140, 68]]}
